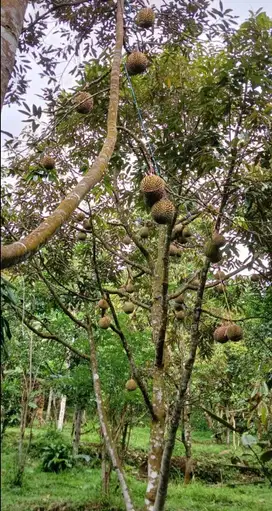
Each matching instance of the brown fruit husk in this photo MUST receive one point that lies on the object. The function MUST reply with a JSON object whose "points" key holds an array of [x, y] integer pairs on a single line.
{"points": [[48, 162], [126, 240], [103, 304], [180, 315], [219, 275], [104, 322], [163, 211], [83, 102], [234, 333], [87, 224], [153, 188], [145, 18], [179, 299], [218, 240], [131, 385], [212, 252], [220, 334], [129, 288], [128, 307], [81, 236], [144, 232], [137, 63]]}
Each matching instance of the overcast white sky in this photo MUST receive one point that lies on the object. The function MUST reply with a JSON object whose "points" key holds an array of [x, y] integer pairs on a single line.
{"points": [[11, 118]]}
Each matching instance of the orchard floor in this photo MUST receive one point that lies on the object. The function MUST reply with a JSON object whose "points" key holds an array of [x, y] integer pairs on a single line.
{"points": [[79, 488]]}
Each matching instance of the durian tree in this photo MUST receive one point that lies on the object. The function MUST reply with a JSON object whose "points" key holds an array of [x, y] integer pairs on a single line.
{"points": [[164, 223]]}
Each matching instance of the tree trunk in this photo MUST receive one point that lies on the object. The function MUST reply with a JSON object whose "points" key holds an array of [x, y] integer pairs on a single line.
{"points": [[62, 412], [159, 322], [187, 436], [77, 430], [185, 378], [111, 448], [105, 470], [18, 479], [49, 405], [20, 250], [227, 414], [12, 18]]}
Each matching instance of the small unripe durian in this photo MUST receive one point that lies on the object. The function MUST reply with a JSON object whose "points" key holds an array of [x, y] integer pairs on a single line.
{"points": [[220, 334], [126, 240], [173, 250], [136, 63], [103, 304], [128, 307], [144, 232], [129, 288], [82, 236], [218, 240], [153, 188], [212, 252], [48, 162], [220, 288], [234, 333], [131, 385], [80, 216], [255, 277], [145, 18], [219, 275], [83, 102], [105, 322], [180, 315], [163, 211], [87, 224]]}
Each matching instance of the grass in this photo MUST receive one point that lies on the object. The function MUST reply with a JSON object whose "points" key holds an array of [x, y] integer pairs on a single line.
{"points": [[81, 486]]}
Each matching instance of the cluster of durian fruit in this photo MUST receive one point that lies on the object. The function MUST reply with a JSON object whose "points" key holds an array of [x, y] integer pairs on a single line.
{"points": [[137, 61], [153, 188]]}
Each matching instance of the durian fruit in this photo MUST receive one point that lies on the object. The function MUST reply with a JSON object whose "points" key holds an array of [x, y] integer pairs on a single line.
{"points": [[144, 232], [87, 224], [80, 216], [255, 277], [136, 63], [129, 288], [104, 322], [186, 233], [126, 240], [220, 288], [83, 102], [163, 211], [131, 385], [128, 307], [179, 299], [218, 240], [103, 304], [212, 252], [234, 333], [173, 250], [153, 188], [220, 334], [194, 284], [219, 275], [48, 162], [180, 315], [82, 236], [145, 18]]}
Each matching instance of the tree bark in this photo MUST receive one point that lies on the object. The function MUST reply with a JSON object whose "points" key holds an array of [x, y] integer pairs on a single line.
{"points": [[62, 412], [77, 430], [12, 18], [49, 405], [111, 448], [20, 250], [185, 378], [187, 436], [159, 322]]}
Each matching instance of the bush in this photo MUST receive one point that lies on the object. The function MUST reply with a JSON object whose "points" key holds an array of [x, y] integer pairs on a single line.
{"points": [[54, 451], [56, 457]]}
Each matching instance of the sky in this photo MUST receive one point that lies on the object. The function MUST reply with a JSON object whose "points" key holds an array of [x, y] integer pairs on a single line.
{"points": [[11, 119]]}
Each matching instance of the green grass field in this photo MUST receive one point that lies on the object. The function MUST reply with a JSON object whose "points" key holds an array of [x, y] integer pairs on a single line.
{"points": [[80, 487]]}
